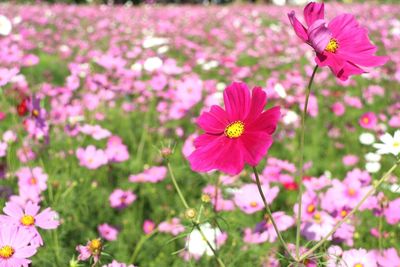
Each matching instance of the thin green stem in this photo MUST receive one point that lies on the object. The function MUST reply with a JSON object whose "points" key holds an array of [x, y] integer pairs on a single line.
{"points": [[194, 222], [354, 210], [268, 211], [301, 160], [183, 200], [220, 262], [140, 245]]}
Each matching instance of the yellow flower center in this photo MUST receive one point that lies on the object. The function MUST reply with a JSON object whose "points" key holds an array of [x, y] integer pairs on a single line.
{"points": [[332, 46], [310, 208], [33, 181], [235, 129], [351, 192], [6, 252], [358, 265], [365, 120], [253, 204], [27, 220], [343, 213], [95, 246], [396, 144], [35, 113]]}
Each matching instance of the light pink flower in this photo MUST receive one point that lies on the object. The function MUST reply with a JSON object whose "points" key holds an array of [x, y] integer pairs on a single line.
{"points": [[264, 231], [151, 175], [248, 199], [15, 246], [108, 232], [357, 257], [172, 226], [91, 157], [121, 199], [32, 179], [30, 218]]}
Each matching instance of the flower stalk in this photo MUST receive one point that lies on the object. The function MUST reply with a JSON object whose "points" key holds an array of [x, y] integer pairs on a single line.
{"points": [[301, 160], [194, 221], [269, 213]]}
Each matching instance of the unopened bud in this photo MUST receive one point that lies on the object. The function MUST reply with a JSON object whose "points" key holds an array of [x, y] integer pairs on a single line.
{"points": [[205, 198], [190, 213]]}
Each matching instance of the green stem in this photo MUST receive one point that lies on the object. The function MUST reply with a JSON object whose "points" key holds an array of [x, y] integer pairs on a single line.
{"points": [[183, 200], [194, 222], [354, 210], [301, 160], [140, 245], [268, 211]]}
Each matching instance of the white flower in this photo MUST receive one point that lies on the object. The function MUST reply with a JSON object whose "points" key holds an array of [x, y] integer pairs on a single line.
{"points": [[372, 167], [152, 64], [196, 245], [290, 117], [373, 157], [390, 144], [280, 90], [154, 41], [5, 25], [367, 138]]}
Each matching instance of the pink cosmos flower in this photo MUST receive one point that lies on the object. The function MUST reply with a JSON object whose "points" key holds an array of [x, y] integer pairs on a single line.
{"points": [[318, 227], [249, 200], [120, 199], [30, 218], [116, 151], [152, 175], [338, 109], [91, 157], [92, 248], [350, 160], [108, 232], [15, 246], [392, 212], [389, 258], [172, 226], [264, 231], [240, 134], [368, 120], [357, 258], [32, 179], [114, 263], [148, 226], [342, 45]]}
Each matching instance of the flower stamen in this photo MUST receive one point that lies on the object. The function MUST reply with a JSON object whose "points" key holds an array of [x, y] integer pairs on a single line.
{"points": [[27, 220], [332, 46], [234, 130], [6, 252]]}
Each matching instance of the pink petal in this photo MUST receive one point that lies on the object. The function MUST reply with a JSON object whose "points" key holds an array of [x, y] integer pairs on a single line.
{"points": [[14, 210], [266, 122], [313, 12], [25, 252], [319, 35], [214, 121], [237, 101], [222, 154], [299, 29], [32, 208], [46, 219], [255, 146], [258, 101]]}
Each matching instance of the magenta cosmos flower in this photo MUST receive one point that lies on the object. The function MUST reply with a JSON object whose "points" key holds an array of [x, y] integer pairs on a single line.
{"points": [[15, 247], [242, 133], [342, 45]]}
